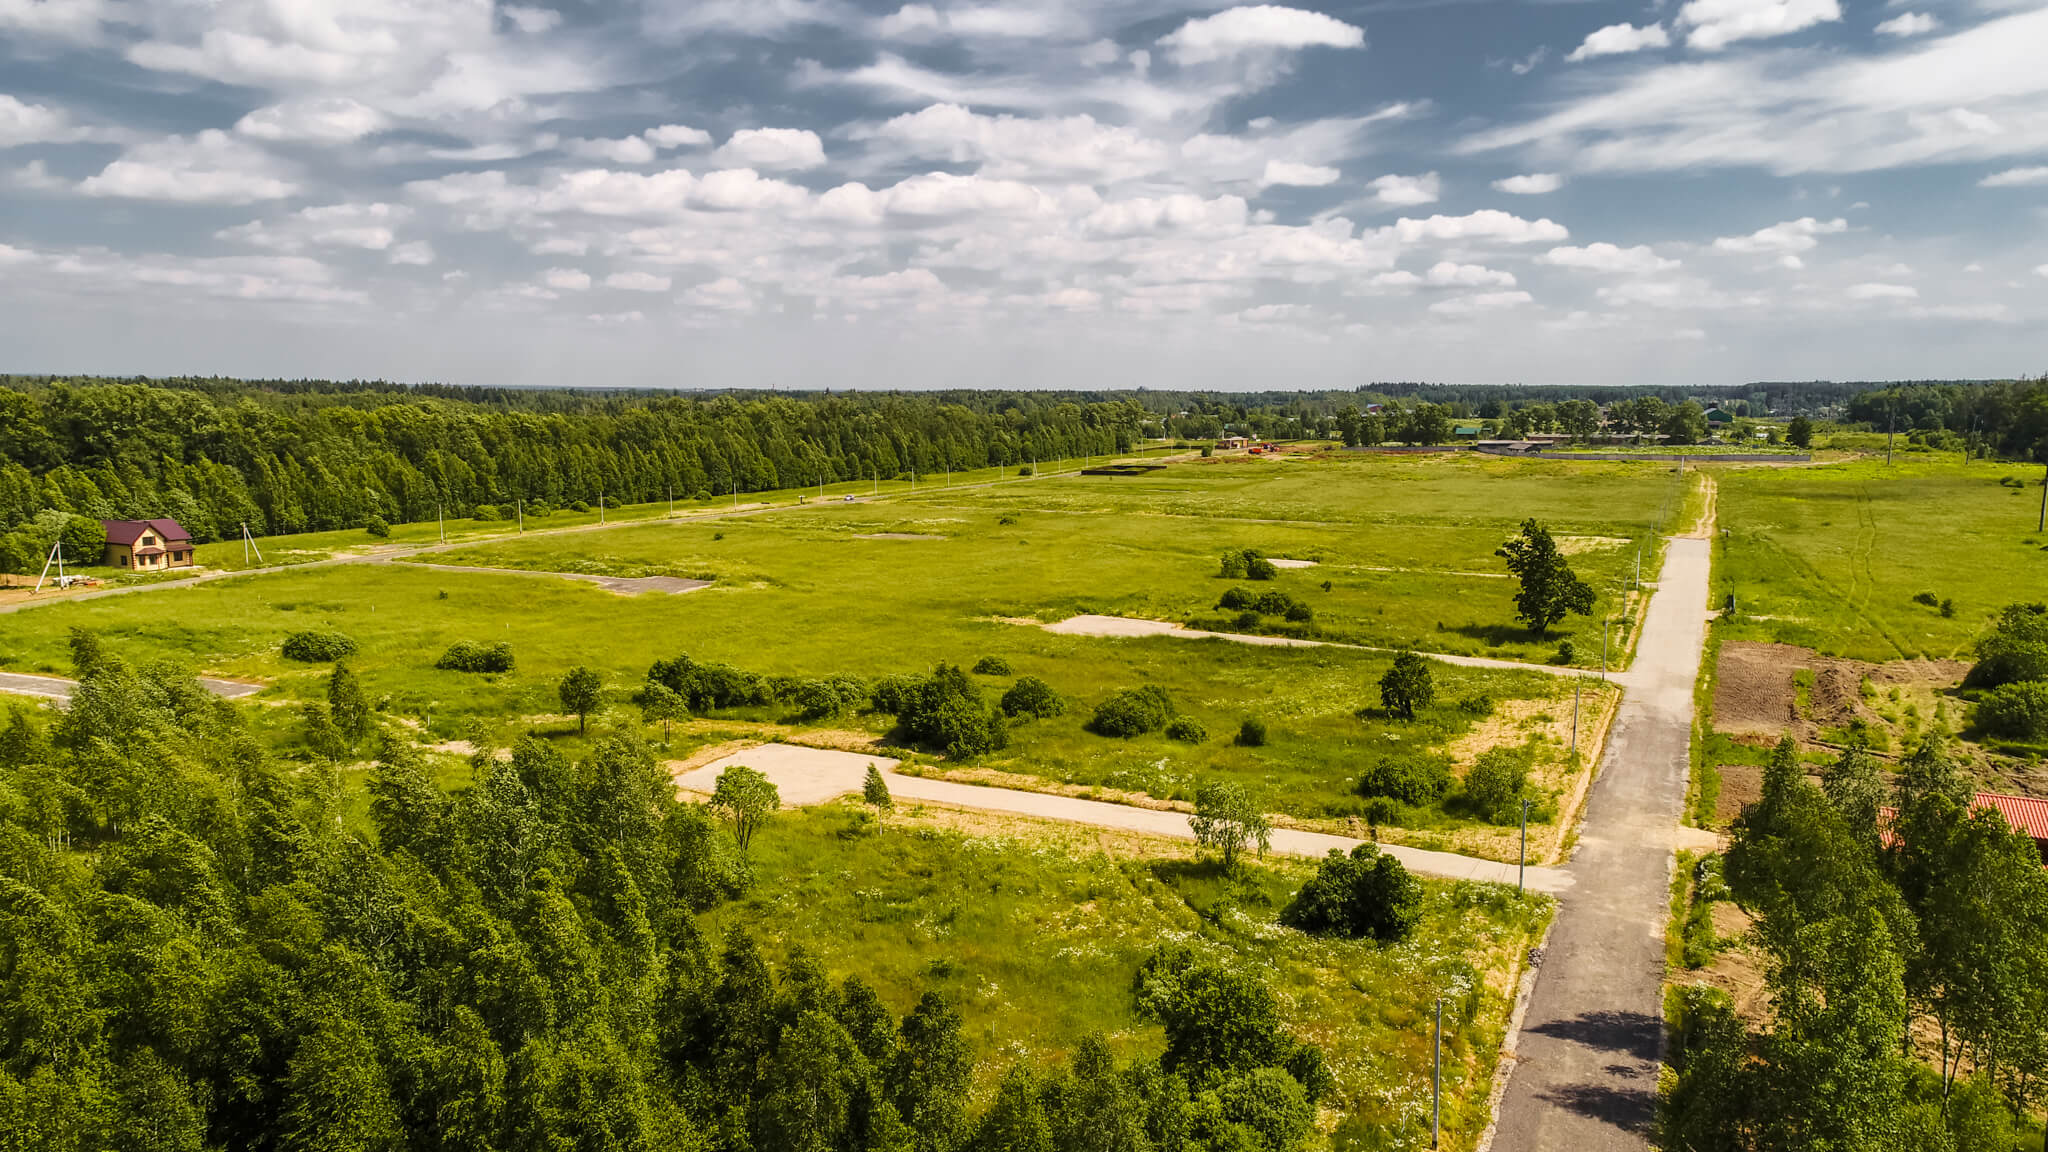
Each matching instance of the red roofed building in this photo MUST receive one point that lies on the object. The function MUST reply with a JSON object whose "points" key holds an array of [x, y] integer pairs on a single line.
{"points": [[147, 545], [2027, 815]]}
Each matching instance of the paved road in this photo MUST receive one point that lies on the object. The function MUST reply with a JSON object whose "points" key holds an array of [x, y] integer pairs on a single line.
{"points": [[1585, 1072], [58, 688], [1089, 624], [806, 776]]}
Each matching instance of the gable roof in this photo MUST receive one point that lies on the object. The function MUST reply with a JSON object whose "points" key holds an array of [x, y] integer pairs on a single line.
{"points": [[2026, 814], [129, 531]]}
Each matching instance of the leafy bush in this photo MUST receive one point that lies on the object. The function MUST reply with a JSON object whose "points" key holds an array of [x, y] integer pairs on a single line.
{"points": [[468, 656], [377, 526], [1927, 598], [318, 647], [821, 699], [1030, 696], [706, 686], [1364, 894], [1259, 568], [1495, 784], [1566, 652], [1271, 603], [1417, 780], [992, 666], [1252, 733], [540, 508], [1236, 600], [1247, 564], [2016, 649], [1477, 704], [1407, 685], [943, 709], [485, 512], [2018, 711], [1186, 729], [1132, 712]]}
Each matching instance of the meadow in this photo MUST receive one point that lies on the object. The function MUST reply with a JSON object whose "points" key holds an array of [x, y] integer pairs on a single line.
{"points": [[1831, 557], [834, 589], [1035, 932]]}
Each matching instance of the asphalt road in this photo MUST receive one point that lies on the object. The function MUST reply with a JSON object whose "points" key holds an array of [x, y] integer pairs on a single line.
{"points": [[1585, 1072]]}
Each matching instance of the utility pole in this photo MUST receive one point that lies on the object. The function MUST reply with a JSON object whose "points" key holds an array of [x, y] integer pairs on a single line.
{"points": [[2043, 525], [600, 507], [440, 523], [520, 508], [245, 538], [1575, 722], [671, 499], [248, 543], [1890, 424], [1522, 868], [1436, 1080], [1603, 645]]}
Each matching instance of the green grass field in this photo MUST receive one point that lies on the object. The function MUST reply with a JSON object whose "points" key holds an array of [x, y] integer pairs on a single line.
{"points": [[1831, 557], [808, 591], [1036, 931]]}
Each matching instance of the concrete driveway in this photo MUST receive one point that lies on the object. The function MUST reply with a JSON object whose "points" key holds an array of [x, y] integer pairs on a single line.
{"points": [[1584, 1076]]}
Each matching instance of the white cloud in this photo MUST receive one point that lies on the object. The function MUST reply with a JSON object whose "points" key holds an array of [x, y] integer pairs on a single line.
{"points": [[941, 194], [567, 279], [2015, 178], [1263, 27], [417, 253], [1406, 191], [1619, 39], [722, 295], [324, 120], [1532, 184], [1882, 292], [1908, 24], [78, 20], [1788, 237], [1604, 257], [1279, 172], [776, 149], [637, 282], [1715, 24], [209, 168], [676, 136], [1480, 303], [22, 123], [1445, 274], [628, 150], [1041, 148], [1178, 213], [1485, 224], [531, 21], [2041, 269], [1074, 300], [368, 226]]}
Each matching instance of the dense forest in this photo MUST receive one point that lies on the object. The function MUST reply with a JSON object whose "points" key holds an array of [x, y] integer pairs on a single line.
{"points": [[295, 456], [196, 953]]}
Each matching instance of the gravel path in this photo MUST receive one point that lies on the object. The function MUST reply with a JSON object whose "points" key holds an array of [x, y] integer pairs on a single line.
{"points": [[58, 688], [1126, 626], [1585, 1064], [807, 776]]}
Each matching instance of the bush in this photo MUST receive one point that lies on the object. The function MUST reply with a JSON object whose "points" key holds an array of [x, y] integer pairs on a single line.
{"points": [[1948, 609], [1927, 598], [1566, 652], [2018, 711], [991, 666], [1251, 733], [707, 686], [1247, 564], [945, 710], [822, 699], [1236, 600], [1259, 568], [377, 526], [1495, 784], [1030, 696], [318, 647], [1132, 712], [1477, 704], [1416, 780], [579, 506], [1407, 685], [1364, 894], [468, 656], [1187, 730], [485, 512], [540, 508], [2016, 650]]}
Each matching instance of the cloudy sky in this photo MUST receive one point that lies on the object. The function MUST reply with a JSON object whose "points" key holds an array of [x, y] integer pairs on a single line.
{"points": [[1094, 193]]}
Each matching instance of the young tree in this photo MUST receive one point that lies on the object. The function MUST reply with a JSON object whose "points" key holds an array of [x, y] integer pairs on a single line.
{"points": [[581, 692], [1226, 819], [659, 702], [875, 790], [1366, 893], [748, 798], [1550, 588], [1407, 685], [1800, 432], [86, 651], [929, 1080], [1685, 424], [345, 703]]}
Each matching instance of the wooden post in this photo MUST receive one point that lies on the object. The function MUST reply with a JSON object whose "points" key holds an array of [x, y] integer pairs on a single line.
{"points": [[1436, 1080]]}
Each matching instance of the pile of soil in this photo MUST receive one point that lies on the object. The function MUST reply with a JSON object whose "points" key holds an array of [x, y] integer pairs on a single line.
{"points": [[1754, 694]]}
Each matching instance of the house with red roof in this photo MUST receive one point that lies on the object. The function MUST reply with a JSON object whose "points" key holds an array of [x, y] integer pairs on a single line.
{"points": [[147, 545], [2026, 815]]}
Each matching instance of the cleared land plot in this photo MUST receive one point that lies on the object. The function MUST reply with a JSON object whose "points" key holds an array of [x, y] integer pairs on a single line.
{"points": [[1830, 558], [623, 585], [1036, 930]]}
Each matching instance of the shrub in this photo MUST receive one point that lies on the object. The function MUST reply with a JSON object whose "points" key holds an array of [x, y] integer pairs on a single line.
{"points": [[1132, 712], [991, 666], [943, 709], [1299, 613], [1415, 780], [1251, 733], [1927, 598], [377, 526], [2016, 649], [1948, 609], [1006, 519], [1495, 784], [468, 656], [540, 508], [1566, 652], [1187, 730], [1236, 600], [579, 506], [706, 686], [1477, 704], [1407, 685], [1233, 564], [485, 512], [1030, 696], [1366, 893], [821, 699], [1259, 568], [318, 647], [2018, 711]]}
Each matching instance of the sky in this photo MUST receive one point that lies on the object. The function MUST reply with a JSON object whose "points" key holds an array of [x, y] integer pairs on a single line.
{"points": [[1105, 194]]}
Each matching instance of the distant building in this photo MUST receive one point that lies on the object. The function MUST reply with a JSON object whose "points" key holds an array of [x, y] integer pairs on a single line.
{"points": [[1233, 442], [147, 545], [1466, 431], [2026, 815], [1717, 416]]}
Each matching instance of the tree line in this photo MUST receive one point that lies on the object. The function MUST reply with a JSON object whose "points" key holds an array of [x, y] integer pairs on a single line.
{"points": [[2008, 418], [197, 952]]}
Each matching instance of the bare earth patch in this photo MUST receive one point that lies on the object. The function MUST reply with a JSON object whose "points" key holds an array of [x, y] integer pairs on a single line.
{"points": [[1580, 545], [1280, 562], [897, 536], [1754, 694]]}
